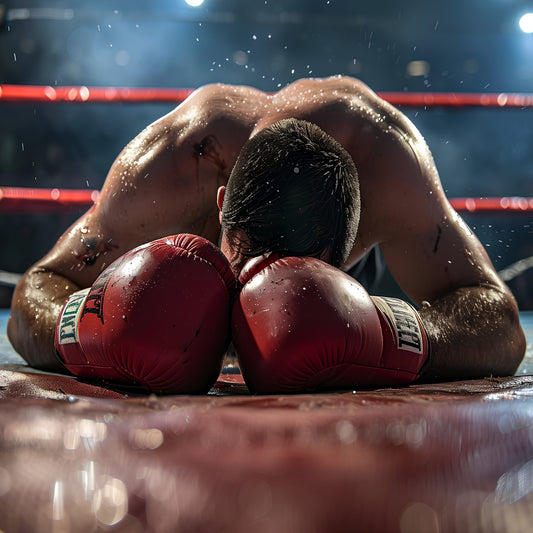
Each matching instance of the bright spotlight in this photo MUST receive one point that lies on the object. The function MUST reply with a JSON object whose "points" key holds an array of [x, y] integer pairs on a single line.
{"points": [[195, 3], [526, 23]]}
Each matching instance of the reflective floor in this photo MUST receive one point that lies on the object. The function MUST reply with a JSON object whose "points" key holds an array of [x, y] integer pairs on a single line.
{"points": [[445, 457]]}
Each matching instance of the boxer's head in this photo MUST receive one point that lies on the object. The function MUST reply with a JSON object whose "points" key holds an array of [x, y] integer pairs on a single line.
{"points": [[294, 190]]}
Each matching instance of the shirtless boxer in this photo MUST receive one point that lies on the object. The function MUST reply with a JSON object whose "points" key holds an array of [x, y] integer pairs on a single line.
{"points": [[166, 180]]}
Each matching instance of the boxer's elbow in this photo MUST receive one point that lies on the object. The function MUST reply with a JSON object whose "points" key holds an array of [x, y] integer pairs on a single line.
{"points": [[16, 325], [12, 331], [20, 334], [475, 332], [31, 325], [512, 341], [516, 342]]}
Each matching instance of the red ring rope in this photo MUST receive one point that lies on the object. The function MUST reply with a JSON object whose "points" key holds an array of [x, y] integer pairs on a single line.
{"points": [[48, 94], [29, 200]]}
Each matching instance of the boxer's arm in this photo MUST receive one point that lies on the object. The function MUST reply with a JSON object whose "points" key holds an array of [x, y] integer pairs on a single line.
{"points": [[101, 235], [475, 332], [35, 308], [73, 263], [146, 195], [472, 318], [469, 314]]}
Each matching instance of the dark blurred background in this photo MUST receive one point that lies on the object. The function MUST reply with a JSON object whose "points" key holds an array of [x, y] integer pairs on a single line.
{"points": [[409, 45]]}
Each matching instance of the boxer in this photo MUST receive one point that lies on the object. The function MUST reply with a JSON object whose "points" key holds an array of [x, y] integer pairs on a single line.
{"points": [[174, 177]]}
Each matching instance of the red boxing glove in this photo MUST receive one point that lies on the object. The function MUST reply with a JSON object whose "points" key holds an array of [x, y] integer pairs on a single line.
{"points": [[300, 325], [157, 317]]}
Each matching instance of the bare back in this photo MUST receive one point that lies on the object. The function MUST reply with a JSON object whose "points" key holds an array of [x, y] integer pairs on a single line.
{"points": [[165, 182]]}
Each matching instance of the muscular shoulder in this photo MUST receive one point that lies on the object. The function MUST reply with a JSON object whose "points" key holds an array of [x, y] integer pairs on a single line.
{"points": [[344, 107], [222, 102], [329, 87]]}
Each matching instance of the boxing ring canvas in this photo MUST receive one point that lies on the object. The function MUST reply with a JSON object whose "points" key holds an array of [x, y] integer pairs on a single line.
{"points": [[440, 457]]}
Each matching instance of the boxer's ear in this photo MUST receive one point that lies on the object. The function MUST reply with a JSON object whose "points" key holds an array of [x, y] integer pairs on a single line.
{"points": [[221, 193]]}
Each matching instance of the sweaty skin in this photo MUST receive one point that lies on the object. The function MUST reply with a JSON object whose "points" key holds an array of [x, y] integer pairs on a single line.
{"points": [[166, 179]]}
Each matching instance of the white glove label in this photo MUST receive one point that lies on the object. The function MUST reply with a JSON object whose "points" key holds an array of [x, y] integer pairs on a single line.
{"points": [[404, 323], [70, 317]]}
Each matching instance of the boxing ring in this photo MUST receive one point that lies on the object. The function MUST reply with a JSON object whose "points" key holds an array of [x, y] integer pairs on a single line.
{"points": [[445, 457]]}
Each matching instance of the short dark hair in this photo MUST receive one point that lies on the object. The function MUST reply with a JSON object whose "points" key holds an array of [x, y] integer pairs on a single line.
{"points": [[294, 190]]}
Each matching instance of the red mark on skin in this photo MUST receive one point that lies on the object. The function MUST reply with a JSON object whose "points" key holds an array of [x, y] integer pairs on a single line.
{"points": [[209, 149], [439, 233], [93, 249]]}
